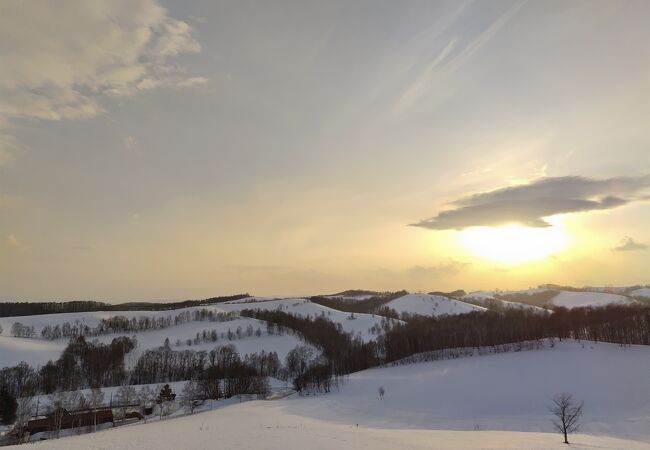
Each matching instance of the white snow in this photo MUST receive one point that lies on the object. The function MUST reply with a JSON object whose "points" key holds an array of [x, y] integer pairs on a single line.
{"points": [[508, 391], [360, 325], [484, 299], [431, 305], [643, 292], [34, 352], [570, 299], [481, 295]]}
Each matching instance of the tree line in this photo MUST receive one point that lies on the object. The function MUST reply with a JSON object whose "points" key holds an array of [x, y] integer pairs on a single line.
{"points": [[373, 305], [621, 324], [122, 324], [10, 309]]}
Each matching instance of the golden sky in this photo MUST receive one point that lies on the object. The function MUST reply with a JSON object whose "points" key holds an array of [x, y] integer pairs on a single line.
{"points": [[164, 150]]}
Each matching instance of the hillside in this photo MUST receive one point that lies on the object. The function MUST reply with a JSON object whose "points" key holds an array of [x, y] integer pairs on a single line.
{"points": [[492, 401], [570, 299], [642, 292], [37, 351], [431, 305], [509, 391]]}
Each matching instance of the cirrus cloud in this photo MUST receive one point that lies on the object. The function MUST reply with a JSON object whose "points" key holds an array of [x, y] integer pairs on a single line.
{"points": [[528, 204]]}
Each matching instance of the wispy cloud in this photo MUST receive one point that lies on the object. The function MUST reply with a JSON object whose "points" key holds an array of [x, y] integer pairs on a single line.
{"points": [[528, 204], [628, 244], [452, 55]]}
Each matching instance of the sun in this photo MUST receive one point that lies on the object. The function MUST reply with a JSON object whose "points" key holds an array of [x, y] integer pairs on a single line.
{"points": [[514, 244]]}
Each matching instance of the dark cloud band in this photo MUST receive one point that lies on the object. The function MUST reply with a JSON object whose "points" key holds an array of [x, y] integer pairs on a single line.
{"points": [[529, 204]]}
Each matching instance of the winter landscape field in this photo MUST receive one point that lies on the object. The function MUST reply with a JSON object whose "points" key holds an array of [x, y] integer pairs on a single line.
{"points": [[450, 396], [324, 224]]}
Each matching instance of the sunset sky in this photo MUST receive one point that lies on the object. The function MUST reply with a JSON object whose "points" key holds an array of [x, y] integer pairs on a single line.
{"points": [[170, 150]]}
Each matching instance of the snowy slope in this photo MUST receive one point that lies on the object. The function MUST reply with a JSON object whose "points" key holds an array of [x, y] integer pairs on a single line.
{"points": [[643, 292], [360, 325], [481, 295], [266, 425], [34, 352], [570, 299], [508, 391], [485, 299], [431, 305], [494, 401], [38, 351]]}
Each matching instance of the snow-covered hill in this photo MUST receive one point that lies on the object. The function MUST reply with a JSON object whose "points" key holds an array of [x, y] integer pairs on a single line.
{"points": [[37, 351], [486, 299], [643, 292], [493, 401], [431, 305], [570, 299], [359, 324], [508, 391]]}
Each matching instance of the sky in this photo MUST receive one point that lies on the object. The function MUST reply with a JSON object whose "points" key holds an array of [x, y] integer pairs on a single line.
{"points": [[158, 150]]}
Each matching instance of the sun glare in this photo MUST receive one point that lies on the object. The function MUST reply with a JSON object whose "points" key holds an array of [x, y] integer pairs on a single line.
{"points": [[514, 244]]}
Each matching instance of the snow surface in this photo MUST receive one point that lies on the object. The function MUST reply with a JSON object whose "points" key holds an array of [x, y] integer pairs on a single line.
{"points": [[431, 305], [38, 351], [491, 401], [360, 325], [265, 425], [505, 304], [34, 352], [508, 391], [570, 299], [643, 292]]}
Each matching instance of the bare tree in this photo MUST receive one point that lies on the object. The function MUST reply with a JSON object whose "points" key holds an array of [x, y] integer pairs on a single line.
{"points": [[126, 396], [567, 412], [191, 396], [58, 402], [24, 411], [146, 396], [70, 403], [95, 400]]}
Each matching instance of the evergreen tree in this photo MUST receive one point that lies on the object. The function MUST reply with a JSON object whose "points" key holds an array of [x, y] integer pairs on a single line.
{"points": [[8, 406]]}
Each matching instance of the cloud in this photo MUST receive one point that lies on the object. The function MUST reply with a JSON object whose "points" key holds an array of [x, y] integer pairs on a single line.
{"points": [[454, 52], [61, 59], [628, 244], [528, 204]]}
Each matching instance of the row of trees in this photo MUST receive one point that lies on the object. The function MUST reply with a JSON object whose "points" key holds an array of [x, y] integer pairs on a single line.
{"points": [[340, 353], [22, 331], [122, 324], [220, 372], [373, 305], [620, 324], [212, 336], [82, 364], [11, 309]]}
